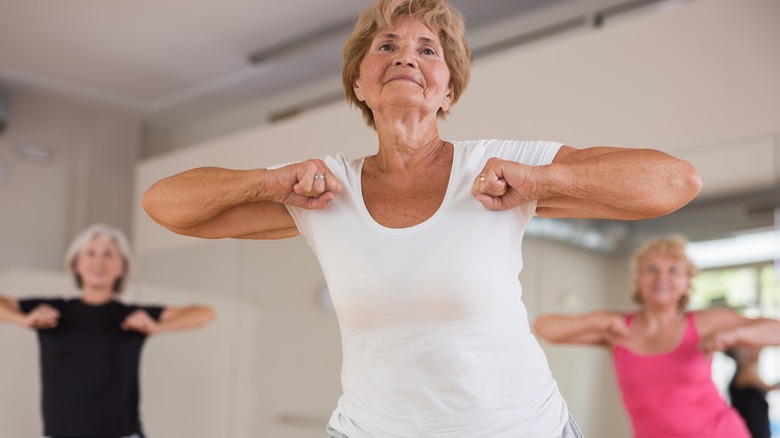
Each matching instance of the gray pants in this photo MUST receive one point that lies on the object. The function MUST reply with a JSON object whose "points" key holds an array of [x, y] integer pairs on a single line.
{"points": [[569, 431]]}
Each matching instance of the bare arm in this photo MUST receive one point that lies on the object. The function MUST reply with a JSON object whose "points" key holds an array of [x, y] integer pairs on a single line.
{"points": [[212, 202], [748, 377], [595, 328], [599, 182], [723, 328], [42, 317], [759, 332], [10, 312], [171, 319]]}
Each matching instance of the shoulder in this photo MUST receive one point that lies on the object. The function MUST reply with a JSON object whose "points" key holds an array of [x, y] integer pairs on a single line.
{"points": [[610, 314], [152, 309], [156, 311], [137, 306], [531, 152], [709, 321], [341, 165], [28, 304], [340, 160]]}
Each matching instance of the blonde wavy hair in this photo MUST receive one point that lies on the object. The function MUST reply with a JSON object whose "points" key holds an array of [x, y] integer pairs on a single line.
{"points": [[671, 246]]}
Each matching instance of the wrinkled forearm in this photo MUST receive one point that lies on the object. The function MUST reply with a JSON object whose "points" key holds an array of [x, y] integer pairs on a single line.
{"points": [[611, 183], [193, 197]]}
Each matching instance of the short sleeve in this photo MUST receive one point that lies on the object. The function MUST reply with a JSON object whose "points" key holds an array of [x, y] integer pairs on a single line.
{"points": [[28, 304], [154, 311], [532, 153]]}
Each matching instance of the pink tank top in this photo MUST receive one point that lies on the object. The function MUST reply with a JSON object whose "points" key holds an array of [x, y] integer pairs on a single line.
{"points": [[672, 395]]}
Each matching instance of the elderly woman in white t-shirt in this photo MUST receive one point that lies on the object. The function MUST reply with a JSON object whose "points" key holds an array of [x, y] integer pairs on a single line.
{"points": [[420, 241]]}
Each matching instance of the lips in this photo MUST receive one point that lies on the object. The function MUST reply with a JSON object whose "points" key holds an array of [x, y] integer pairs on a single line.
{"points": [[403, 77]]}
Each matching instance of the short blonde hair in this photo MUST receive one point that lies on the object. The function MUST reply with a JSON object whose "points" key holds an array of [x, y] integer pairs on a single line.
{"points": [[437, 15], [671, 246], [86, 236]]}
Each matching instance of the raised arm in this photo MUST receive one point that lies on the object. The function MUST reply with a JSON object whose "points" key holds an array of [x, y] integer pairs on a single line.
{"points": [[599, 182], [595, 328], [617, 183], [749, 377], [10, 312], [42, 317], [723, 328], [211, 202], [171, 319]]}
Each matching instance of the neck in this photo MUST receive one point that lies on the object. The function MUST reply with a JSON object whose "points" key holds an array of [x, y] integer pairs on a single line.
{"points": [[96, 296], [404, 146], [660, 315], [401, 119]]}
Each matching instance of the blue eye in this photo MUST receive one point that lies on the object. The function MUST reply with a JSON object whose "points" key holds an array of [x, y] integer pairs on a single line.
{"points": [[427, 51], [384, 47]]}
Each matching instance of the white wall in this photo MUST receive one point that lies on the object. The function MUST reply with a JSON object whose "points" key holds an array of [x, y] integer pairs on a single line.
{"points": [[561, 278], [699, 80], [89, 177]]}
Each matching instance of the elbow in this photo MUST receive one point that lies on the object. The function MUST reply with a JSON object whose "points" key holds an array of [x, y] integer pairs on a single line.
{"points": [[689, 184], [149, 203], [198, 316], [153, 203], [683, 187], [540, 328], [158, 207], [207, 314]]}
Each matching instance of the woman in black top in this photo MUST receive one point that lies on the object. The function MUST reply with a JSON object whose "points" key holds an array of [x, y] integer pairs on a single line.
{"points": [[747, 391], [90, 346]]}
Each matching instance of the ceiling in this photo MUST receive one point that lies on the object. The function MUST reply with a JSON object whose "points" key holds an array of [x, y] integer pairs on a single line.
{"points": [[181, 61]]}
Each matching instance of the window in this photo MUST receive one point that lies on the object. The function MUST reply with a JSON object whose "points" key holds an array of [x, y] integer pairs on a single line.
{"points": [[753, 290]]}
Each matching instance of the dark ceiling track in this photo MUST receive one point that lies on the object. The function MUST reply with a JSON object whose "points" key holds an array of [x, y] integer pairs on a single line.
{"points": [[288, 48], [341, 29]]}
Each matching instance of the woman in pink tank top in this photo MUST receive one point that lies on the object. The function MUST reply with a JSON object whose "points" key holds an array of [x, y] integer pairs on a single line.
{"points": [[662, 353]]}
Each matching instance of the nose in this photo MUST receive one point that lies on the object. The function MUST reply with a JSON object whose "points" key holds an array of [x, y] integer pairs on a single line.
{"points": [[406, 56], [660, 274]]}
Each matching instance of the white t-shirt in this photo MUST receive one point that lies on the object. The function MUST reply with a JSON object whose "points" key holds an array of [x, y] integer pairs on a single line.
{"points": [[436, 340]]}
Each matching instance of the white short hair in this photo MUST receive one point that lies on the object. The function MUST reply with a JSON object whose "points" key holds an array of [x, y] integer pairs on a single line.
{"points": [[86, 236]]}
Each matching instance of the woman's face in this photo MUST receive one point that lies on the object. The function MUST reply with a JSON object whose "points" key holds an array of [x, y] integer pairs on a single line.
{"points": [[404, 68], [663, 280], [100, 264]]}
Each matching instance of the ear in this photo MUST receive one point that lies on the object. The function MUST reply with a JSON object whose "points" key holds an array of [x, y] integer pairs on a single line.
{"points": [[358, 91], [447, 104], [123, 272]]}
